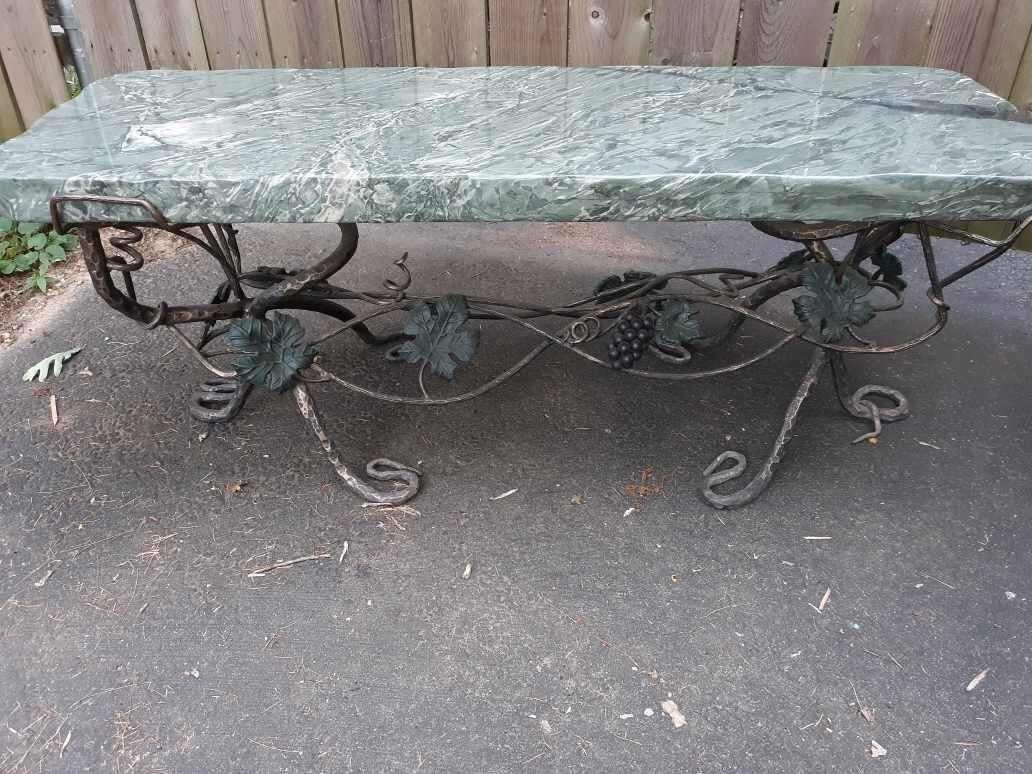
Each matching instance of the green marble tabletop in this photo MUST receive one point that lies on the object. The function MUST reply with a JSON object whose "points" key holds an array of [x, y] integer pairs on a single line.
{"points": [[532, 144]]}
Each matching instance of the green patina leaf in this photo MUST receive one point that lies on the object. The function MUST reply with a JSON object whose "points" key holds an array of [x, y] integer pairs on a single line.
{"points": [[271, 351], [890, 269], [834, 303], [438, 335], [677, 324]]}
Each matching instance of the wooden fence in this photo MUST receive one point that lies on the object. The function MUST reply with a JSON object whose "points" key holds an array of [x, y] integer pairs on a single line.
{"points": [[987, 39]]}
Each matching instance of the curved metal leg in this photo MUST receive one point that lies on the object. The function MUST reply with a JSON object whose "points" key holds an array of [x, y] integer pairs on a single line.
{"points": [[280, 294], [381, 469], [765, 475], [312, 300]]}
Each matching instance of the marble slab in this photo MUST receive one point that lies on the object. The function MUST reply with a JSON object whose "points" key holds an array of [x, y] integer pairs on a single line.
{"points": [[531, 144]]}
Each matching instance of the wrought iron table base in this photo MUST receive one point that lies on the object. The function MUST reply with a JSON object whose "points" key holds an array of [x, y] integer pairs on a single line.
{"points": [[640, 313]]}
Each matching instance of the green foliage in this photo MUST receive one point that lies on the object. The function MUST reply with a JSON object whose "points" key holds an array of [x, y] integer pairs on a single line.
{"points": [[438, 335], [271, 351], [677, 324], [835, 302], [71, 79], [29, 247]]}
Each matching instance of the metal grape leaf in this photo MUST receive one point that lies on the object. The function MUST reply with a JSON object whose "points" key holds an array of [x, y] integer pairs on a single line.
{"points": [[52, 364], [271, 351], [677, 324], [438, 336], [890, 269], [834, 303]]}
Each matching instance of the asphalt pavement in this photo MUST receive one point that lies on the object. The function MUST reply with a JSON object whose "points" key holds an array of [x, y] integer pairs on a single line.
{"points": [[610, 622]]}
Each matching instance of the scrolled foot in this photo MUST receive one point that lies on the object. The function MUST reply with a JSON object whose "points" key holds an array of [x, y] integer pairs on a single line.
{"points": [[380, 469], [716, 477], [383, 469], [218, 400], [861, 407]]}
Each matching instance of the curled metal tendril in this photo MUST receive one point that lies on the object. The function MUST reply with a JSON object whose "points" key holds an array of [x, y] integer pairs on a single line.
{"points": [[581, 331], [133, 236], [397, 289]]}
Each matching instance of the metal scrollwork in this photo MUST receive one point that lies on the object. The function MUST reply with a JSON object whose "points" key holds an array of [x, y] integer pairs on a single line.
{"points": [[583, 330], [653, 318]]}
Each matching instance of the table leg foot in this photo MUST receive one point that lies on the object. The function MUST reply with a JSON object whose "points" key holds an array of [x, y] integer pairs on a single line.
{"points": [[218, 400], [759, 482], [380, 469], [859, 404]]}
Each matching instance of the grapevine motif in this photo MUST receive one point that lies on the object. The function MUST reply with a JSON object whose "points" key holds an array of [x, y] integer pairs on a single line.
{"points": [[627, 315]]}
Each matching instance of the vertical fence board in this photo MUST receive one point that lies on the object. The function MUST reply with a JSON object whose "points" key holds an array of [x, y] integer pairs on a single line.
{"points": [[533, 32], [304, 34], [694, 33], [785, 32], [1006, 45], [376, 33], [172, 34], [1021, 92], [450, 33], [960, 35], [882, 32], [30, 59], [112, 40], [609, 32], [10, 123], [235, 33]]}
